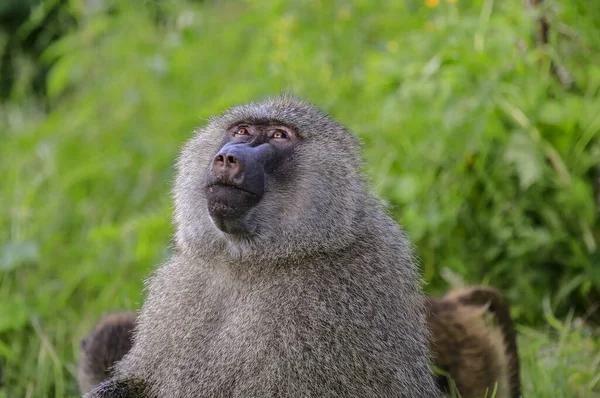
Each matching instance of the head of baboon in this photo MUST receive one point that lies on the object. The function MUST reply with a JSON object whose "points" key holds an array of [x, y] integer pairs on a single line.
{"points": [[272, 178]]}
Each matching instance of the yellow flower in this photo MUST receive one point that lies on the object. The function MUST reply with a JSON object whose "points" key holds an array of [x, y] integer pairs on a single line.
{"points": [[432, 3]]}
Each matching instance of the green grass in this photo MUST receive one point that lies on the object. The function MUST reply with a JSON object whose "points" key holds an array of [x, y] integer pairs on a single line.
{"points": [[560, 362], [485, 156]]}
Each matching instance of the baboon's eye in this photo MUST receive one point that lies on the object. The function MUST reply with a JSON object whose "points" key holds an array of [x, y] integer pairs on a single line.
{"points": [[242, 131], [279, 134]]}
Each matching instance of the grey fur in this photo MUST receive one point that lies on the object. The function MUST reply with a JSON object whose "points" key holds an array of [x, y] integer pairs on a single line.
{"points": [[323, 300]]}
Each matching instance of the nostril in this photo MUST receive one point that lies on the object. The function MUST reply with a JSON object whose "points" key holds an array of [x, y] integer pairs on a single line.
{"points": [[231, 159], [219, 158]]}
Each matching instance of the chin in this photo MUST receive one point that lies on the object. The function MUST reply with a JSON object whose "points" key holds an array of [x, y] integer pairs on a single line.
{"points": [[231, 220], [229, 206]]}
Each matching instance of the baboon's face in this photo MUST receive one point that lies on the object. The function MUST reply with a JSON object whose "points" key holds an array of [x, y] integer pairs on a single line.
{"points": [[268, 180], [249, 159]]}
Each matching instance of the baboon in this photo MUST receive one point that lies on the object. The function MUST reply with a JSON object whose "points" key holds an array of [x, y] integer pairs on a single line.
{"points": [[288, 278], [473, 352], [476, 351]]}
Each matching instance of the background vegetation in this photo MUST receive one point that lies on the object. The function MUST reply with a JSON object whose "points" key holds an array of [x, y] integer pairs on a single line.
{"points": [[481, 133]]}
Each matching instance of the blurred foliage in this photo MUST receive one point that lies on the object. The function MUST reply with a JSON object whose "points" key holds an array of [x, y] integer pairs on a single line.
{"points": [[562, 360], [487, 159], [27, 28]]}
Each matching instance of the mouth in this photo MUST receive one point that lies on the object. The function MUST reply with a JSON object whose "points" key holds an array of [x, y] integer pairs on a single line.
{"points": [[219, 187], [228, 206]]}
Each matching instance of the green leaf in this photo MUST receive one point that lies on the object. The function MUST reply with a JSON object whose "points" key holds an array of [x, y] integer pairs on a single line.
{"points": [[15, 254], [553, 113], [524, 156], [59, 76], [14, 314]]}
